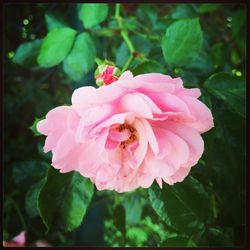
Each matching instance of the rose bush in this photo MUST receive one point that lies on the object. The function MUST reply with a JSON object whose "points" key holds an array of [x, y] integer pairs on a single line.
{"points": [[133, 131], [126, 135]]}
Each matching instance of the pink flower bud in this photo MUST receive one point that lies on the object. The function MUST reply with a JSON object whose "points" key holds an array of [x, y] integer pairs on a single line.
{"points": [[106, 74]]}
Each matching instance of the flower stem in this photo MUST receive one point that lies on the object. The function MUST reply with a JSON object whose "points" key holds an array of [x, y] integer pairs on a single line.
{"points": [[124, 34], [128, 62]]}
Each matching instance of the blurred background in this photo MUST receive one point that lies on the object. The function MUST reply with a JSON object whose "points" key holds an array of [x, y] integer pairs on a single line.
{"points": [[30, 91]]}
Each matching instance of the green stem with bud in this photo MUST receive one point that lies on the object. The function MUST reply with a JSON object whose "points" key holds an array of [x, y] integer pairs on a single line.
{"points": [[124, 34]]}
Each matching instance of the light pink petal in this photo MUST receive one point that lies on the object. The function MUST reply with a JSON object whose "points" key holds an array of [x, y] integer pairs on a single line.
{"points": [[134, 103], [145, 180], [80, 131], [179, 150], [42, 127], [169, 103], [72, 120], [154, 108], [82, 156], [144, 86], [110, 144], [91, 151], [141, 150], [97, 114], [115, 119], [105, 173], [52, 140], [192, 138], [126, 75], [203, 116], [163, 144], [153, 78], [88, 97], [149, 82], [179, 176], [156, 167], [194, 92], [57, 117], [119, 136], [70, 161], [150, 136], [64, 145]]}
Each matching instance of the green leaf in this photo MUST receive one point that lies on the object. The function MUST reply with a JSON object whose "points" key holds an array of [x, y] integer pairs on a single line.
{"points": [[182, 42], [92, 14], [238, 20], [33, 127], [201, 65], [64, 199], [178, 241], [137, 235], [184, 206], [183, 11], [214, 237], [81, 58], [147, 14], [208, 7], [26, 54], [31, 199], [230, 89], [216, 54], [148, 67], [27, 172], [54, 20], [55, 46], [120, 219]]}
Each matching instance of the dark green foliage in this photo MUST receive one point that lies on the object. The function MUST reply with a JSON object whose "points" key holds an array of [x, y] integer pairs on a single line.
{"points": [[26, 54], [70, 195], [120, 219], [185, 206]]}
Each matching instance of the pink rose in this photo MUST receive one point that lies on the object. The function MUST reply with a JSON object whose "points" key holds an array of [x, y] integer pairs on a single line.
{"points": [[127, 134]]}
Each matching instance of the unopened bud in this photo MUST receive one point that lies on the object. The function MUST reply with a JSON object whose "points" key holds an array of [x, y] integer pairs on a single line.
{"points": [[106, 73]]}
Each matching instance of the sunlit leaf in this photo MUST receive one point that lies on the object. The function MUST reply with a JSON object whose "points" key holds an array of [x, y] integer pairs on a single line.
{"points": [[55, 46], [92, 14]]}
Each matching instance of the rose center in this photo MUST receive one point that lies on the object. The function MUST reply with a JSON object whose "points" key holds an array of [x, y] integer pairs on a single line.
{"points": [[132, 138]]}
